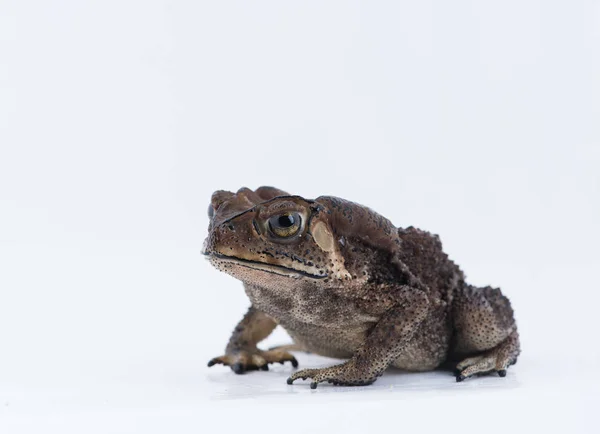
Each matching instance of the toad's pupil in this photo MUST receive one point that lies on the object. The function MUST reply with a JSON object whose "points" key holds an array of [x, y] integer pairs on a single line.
{"points": [[285, 221]]}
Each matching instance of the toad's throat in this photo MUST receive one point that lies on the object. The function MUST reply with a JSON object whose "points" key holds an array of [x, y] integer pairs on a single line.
{"points": [[263, 266]]}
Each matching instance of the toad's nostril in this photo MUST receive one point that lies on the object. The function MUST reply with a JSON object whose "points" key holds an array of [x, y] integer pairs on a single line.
{"points": [[231, 227]]}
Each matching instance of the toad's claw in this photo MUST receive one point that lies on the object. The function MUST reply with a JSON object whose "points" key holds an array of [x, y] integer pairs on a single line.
{"points": [[243, 361]]}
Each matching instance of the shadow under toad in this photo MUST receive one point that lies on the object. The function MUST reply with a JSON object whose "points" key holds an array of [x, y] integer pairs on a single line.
{"points": [[395, 384]]}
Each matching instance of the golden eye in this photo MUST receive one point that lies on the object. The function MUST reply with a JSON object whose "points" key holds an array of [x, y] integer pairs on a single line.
{"points": [[285, 225]]}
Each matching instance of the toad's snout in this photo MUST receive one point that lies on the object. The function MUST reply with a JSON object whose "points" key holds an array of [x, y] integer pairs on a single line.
{"points": [[226, 238], [204, 250]]}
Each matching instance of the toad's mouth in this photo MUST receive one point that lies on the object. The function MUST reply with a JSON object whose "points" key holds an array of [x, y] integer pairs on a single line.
{"points": [[263, 266]]}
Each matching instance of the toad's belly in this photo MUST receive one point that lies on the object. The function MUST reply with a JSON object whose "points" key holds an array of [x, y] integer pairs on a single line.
{"points": [[427, 349], [334, 342], [317, 320], [333, 326], [425, 352]]}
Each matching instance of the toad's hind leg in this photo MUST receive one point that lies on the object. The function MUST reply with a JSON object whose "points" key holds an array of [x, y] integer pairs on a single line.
{"points": [[486, 338]]}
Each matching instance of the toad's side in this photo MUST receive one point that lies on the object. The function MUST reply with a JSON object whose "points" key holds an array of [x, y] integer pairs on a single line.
{"points": [[344, 282]]}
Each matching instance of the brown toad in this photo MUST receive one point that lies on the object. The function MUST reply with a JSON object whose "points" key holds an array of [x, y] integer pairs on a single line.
{"points": [[344, 282]]}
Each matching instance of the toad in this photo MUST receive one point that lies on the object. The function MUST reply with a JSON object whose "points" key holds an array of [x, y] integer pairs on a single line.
{"points": [[344, 282]]}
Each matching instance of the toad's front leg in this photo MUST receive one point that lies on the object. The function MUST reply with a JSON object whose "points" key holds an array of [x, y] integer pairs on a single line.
{"points": [[243, 355], [382, 346]]}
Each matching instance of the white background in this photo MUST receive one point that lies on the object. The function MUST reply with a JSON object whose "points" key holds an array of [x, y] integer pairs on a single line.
{"points": [[475, 120]]}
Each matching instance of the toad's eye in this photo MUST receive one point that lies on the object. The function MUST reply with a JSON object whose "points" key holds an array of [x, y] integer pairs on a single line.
{"points": [[285, 225]]}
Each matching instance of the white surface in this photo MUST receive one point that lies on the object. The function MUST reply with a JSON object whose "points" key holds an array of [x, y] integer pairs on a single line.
{"points": [[475, 120]]}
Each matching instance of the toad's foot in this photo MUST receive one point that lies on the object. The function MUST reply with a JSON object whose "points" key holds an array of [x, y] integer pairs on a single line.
{"points": [[251, 360], [345, 374], [497, 359]]}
